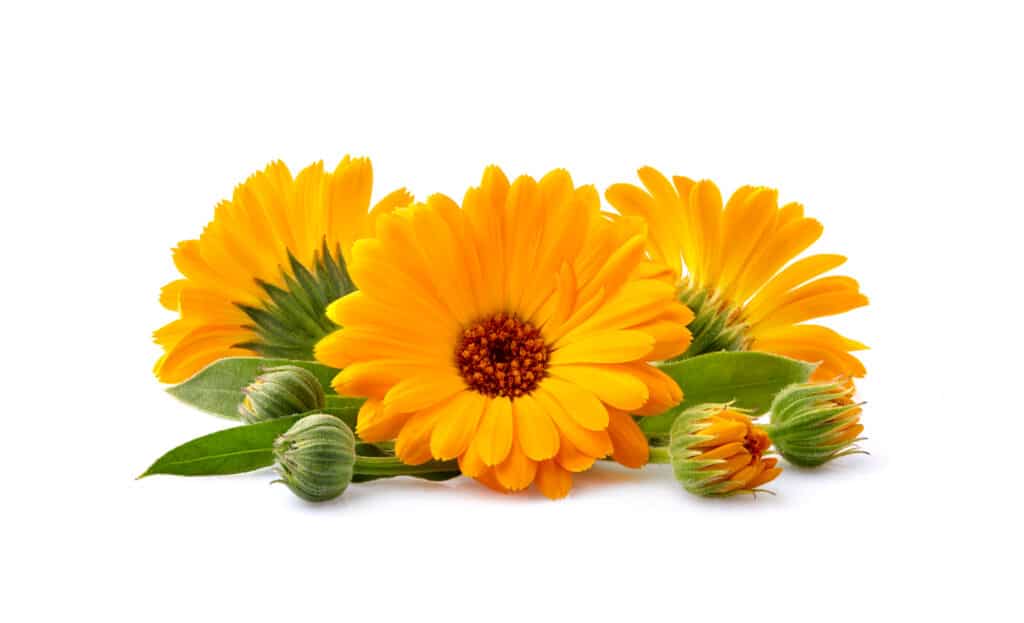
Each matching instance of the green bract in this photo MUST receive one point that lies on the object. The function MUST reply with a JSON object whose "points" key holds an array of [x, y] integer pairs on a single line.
{"points": [[291, 320], [280, 392], [697, 476], [316, 457], [717, 324]]}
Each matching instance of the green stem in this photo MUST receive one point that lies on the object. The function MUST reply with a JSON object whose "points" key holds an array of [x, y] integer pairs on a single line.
{"points": [[659, 454], [392, 466]]}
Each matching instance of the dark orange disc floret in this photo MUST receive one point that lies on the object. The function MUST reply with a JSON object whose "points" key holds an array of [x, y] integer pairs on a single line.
{"points": [[502, 356], [757, 442]]}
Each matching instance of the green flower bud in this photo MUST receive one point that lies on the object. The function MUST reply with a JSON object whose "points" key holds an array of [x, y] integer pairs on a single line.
{"points": [[316, 457], [814, 423], [280, 392]]}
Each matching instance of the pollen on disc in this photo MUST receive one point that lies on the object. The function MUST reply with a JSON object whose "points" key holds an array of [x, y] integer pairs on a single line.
{"points": [[502, 355]]}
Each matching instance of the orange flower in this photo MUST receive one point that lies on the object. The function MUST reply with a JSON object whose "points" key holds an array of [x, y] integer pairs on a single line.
{"points": [[258, 279], [733, 263], [513, 333]]}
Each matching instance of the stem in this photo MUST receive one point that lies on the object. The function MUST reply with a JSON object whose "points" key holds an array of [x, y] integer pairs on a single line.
{"points": [[392, 466], [659, 454]]}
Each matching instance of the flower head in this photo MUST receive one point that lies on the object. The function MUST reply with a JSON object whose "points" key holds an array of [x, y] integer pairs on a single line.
{"points": [[718, 450], [814, 423], [279, 392], [316, 457], [512, 332], [258, 279], [733, 264]]}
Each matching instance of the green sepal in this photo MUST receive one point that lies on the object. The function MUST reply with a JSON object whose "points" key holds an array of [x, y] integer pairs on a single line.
{"points": [[717, 325], [690, 472], [748, 379], [292, 319], [217, 388]]}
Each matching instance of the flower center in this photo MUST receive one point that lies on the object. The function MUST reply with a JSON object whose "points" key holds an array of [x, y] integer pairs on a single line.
{"points": [[502, 356], [756, 442]]}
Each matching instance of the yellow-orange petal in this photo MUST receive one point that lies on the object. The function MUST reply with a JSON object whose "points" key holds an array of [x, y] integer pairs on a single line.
{"points": [[790, 277], [664, 393], [553, 481], [374, 378], [199, 347], [517, 471], [488, 478], [721, 431], [494, 435], [629, 444], [594, 443], [413, 443], [724, 451], [457, 425], [581, 405], [169, 294], [535, 429], [572, 459], [375, 424], [605, 347], [423, 390], [613, 386], [470, 462]]}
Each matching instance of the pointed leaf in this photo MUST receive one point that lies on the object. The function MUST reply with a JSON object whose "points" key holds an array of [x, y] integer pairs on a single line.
{"points": [[217, 388], [235, 450], [232, 451], [751, 379]]}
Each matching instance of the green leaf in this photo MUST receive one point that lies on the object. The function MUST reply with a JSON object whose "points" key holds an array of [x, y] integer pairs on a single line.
{"points": [[231, 451], [748, 378], [217, 388], [236, 450], [346, 414], [334, 401]]}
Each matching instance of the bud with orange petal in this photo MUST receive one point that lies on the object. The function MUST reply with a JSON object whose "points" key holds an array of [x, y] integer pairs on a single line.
{"points": [[814, 423], [717, 450]]}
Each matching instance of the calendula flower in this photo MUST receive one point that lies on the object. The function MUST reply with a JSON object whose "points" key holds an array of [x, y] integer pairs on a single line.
{"points": [[814, 423], [258, 279], [733, 266], [512, 333], [718, 450]]}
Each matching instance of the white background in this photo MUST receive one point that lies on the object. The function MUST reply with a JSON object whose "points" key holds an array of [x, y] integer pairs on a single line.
{"points": [[898, 125]]}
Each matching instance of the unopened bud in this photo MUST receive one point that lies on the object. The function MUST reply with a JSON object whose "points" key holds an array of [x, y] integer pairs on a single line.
{"points": [[280, 392], [316, 457]]}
